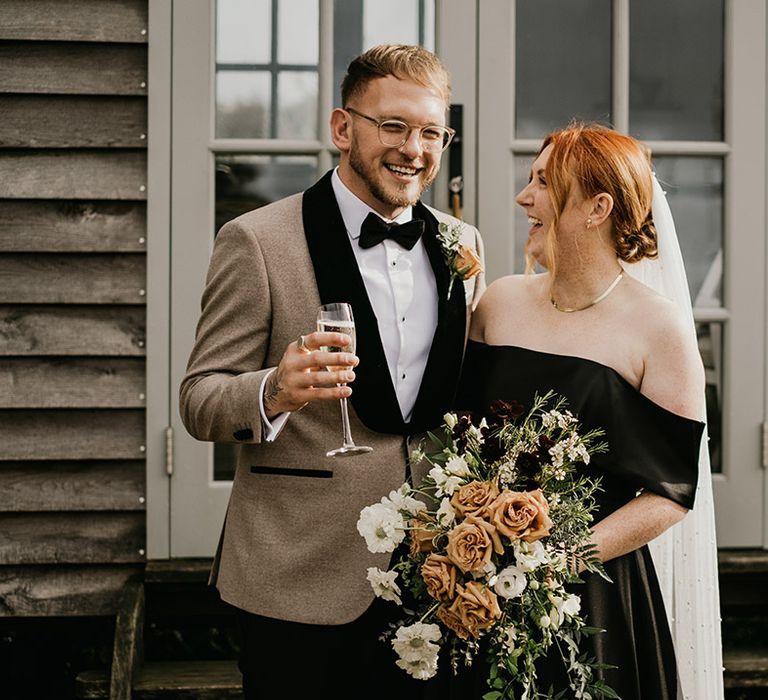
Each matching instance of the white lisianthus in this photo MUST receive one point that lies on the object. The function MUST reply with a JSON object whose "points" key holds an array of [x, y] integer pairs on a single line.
{"points": [[416, 645], [420, 669], [383, 584], [445, 483], [400, 501], [569, 606], [450, 420], [511, 582], [530, 555], [445, 514], [457, 466], [382, 527]]}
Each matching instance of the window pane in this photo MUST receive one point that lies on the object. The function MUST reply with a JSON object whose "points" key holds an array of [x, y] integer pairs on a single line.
{"points": [[243, 31], [676, 69], [297, 105], [711, 349], [694, 187], [245, 182], [562, 64], [298, 32], [360, 24], [243, 104]]}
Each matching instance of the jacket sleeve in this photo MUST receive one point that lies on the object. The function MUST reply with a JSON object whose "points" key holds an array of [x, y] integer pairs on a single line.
{"points": [[219, 394]]}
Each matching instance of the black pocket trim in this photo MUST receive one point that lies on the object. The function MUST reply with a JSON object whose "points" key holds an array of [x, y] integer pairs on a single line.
{"points": [[284, 471]]}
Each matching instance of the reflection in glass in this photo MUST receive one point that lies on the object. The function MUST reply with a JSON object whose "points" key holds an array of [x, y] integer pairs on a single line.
{"points": [[676, 69], [243, 31], [360, 24], [298, 35], [245, 182], [243, 104], [568, 75], [694, 187], [711, 349], [297, 105]]}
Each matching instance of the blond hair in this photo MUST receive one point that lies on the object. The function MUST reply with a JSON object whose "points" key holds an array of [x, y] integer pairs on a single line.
{"points": [[402, 61]]}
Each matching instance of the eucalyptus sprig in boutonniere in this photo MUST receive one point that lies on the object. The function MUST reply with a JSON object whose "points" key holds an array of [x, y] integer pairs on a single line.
{"points": [[462, 261]]}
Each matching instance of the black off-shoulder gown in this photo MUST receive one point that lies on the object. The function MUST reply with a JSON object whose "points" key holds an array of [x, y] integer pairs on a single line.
{"points": [[650, 448]]}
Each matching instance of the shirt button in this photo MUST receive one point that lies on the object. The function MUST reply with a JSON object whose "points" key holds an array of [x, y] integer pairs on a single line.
{"points": [[394, 262], [403, 375], [402, 319]]}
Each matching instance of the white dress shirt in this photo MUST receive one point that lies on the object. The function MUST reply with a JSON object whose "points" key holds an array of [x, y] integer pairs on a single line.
{"points": [[401, 288]]}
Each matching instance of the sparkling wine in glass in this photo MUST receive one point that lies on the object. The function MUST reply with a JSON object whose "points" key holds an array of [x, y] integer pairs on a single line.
{"points": [[337, 318]]}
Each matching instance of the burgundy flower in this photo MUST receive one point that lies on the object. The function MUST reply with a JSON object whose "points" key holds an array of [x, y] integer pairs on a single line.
{"points": [[504, 411]]}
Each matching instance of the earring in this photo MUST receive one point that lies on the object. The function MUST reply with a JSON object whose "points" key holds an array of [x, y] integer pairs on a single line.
{"points": [[589, 222]]}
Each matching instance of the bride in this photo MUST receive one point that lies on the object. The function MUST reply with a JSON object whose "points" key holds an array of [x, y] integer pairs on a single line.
{"points": [[609, 326]]}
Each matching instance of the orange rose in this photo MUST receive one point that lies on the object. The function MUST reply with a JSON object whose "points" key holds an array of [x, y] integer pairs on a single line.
{"points": [[467, 263], [474, 498], [439, 574], [521, 515], [420, 534], [474, 610], [472, 543]]}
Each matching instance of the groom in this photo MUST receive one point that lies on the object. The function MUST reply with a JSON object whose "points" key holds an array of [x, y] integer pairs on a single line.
{"points": [[290, 559]]}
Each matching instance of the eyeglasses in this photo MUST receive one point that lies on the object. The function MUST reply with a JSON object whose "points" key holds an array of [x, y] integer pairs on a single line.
{"points": [[394, 133]]}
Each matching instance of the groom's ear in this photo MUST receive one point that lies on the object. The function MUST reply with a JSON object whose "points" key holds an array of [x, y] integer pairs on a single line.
{"points": [[340, 129], [602, 206]]}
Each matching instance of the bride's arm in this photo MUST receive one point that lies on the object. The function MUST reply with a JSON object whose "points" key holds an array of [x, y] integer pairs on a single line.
{"points": [[635, 524], [673, 377]]}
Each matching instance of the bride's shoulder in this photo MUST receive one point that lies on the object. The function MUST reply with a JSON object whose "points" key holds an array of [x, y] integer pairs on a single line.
{"points": [[511, 287], [503, 300]]}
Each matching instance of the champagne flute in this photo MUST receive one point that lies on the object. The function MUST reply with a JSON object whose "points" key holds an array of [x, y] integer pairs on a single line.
{"points": [[337, 318]]}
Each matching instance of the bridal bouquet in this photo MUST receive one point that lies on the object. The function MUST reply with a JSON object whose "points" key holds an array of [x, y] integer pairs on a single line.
{"points": [[489, 540]]}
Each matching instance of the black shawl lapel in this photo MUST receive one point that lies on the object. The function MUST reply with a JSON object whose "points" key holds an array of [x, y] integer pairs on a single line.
{"points": [[444, 363], [339, 280]]}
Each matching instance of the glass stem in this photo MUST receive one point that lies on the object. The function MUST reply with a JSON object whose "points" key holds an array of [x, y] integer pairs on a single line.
{"points": [[345, 423]]}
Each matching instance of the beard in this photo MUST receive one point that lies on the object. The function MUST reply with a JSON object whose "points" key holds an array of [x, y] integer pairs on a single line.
{"points": [[396, 195]]}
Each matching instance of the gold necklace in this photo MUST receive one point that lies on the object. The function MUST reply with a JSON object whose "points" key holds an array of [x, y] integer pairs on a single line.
{"points": [[568, 310]]}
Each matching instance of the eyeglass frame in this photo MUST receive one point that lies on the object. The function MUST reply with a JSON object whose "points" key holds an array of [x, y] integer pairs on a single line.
{"points": [[379, 122]]}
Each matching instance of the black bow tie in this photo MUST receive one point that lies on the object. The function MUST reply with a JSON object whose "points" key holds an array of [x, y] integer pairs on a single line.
{"points": [[374, 230]]}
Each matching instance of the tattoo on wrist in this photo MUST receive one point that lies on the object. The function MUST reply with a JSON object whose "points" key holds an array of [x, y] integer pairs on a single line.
{"points": [[271, 390]]}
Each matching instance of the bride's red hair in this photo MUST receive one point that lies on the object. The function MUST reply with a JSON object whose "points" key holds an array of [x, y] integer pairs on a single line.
{"points": [[600, 159]]}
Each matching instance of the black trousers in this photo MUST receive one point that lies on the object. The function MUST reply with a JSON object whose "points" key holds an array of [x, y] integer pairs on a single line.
{"points": [[282, 659]]}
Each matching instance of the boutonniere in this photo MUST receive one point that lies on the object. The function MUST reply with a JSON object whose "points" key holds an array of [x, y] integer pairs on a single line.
{"points": [[462, 262]]}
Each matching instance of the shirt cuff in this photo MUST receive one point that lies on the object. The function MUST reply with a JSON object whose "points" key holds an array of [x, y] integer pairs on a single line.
{"points": [[271, 428]]}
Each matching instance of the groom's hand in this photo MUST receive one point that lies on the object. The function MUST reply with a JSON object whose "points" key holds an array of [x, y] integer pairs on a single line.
{"points": [[303, 376]]}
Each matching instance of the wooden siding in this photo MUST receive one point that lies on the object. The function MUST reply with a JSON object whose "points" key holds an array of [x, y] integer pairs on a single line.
{"points": [[73, 135]]}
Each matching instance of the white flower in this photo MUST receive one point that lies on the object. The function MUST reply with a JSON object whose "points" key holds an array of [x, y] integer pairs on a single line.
{"points": [[416, 645], [564, 607], [558, 454], [400, 501], [383, 584], [509, 638], [450, 420], [530, 555], [445, 514], [544, 622], [445, 483], [382, 527], [457, 466], [511, 582], [420, 669]]}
